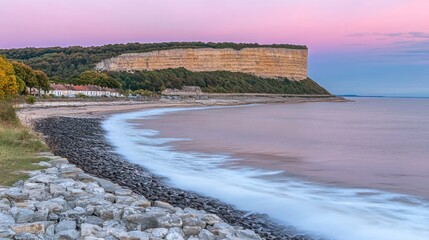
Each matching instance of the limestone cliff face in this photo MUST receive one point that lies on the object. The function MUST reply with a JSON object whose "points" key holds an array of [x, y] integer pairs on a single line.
{"points": [[263, 62]]}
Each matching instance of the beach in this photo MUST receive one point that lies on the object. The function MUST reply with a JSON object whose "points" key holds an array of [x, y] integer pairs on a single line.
{"points": [[74, 131]]}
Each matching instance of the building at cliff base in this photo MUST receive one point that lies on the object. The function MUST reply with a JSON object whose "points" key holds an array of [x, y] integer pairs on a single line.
{"points": [[66, 90], [264, 62]]}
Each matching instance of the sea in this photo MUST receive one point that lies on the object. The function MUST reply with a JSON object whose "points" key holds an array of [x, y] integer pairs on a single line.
{"points": [[336, 170]]}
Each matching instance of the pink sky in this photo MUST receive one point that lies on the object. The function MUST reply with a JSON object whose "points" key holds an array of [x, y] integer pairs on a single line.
{"points": [[320, 24]]}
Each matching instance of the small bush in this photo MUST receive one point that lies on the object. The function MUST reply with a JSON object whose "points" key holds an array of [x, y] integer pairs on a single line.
{"points": [[8, 114], [30, 99]]}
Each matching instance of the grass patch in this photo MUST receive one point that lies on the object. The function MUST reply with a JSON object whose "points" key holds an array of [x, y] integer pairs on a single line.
{"points": [[18, 147]]}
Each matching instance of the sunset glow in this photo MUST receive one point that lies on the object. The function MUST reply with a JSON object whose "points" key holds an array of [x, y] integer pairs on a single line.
{"points": [[384, 31]]}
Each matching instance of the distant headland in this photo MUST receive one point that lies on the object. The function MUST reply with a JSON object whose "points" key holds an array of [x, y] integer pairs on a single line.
{"points": [[214, 67]]}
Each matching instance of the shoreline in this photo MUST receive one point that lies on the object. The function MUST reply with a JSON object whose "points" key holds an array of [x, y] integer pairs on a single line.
{"points": [[75, 132]]}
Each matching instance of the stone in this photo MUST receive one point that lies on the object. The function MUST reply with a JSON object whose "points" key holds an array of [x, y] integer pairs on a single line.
{"points": [[107, 185], [211, 219], [4, 204], [247, 234], [138, 235], [222, 230], [141, 204], [125, 200], [26, 236], [191, 230], [22, 215], [57, 162], [6, 233], [169, 222], [69, 171], [43, 178], [164, 205], [55, 188], [50, 171], [65, 225], [206, 235], [94, 220], [35, 228], [194, 222], [44, 164], [74, 214], [90, 230], [16, 194], [25, 204], [174, 236], [49, 206], [67, 235], [41, 215], [157, 233], [123, 192]]}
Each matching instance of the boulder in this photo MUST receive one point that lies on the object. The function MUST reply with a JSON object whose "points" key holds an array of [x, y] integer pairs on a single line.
{"points": [[169, 222], [35, 228]]}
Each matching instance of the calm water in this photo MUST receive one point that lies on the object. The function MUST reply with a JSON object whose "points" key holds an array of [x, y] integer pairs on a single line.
{"points": [[356, 170]]}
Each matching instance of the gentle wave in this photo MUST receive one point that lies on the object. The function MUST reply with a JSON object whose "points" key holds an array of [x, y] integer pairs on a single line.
{"points": [[334, 213]]}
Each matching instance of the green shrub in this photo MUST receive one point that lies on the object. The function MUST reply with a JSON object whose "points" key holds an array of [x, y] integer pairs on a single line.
{"points": [[8, 114], [30, 99]]}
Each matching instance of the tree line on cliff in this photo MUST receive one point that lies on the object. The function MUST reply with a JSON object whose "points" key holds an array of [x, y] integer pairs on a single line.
{"points": [[213, 82]]}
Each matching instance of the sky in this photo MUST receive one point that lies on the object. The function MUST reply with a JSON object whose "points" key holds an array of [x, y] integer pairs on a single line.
{"points": [[365, 47]]}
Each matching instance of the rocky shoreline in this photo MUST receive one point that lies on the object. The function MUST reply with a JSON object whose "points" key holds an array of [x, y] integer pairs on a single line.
{"points": [[63, 202], [82, 142]]}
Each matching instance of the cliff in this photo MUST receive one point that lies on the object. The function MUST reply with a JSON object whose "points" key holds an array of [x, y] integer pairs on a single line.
{"points": [[263, 62]]}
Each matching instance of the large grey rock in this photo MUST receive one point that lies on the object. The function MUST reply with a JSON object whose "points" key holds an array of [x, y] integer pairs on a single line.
{"points": [[35, 228], [27, 236], [157, 233], [43, 178], [164, 205], [67, 235], [138, 235], [41, 215], [22, 215], [194, 222], [6, 233], [16, 194], [222, 230], [206, 235], [90, 230], [94, 220], [123, 192], [65, 225], [191, 230], [69, 171], [211, 219], [107, 185], [57, 188], [141, 204], [49, 206], [125, 200], [247, 235], [75, 214], [169, 222], [133, 235], [4, 204], [174, 236]]}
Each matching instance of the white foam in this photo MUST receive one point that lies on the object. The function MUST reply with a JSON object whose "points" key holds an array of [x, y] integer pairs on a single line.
{"points": [[335, 213]]}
